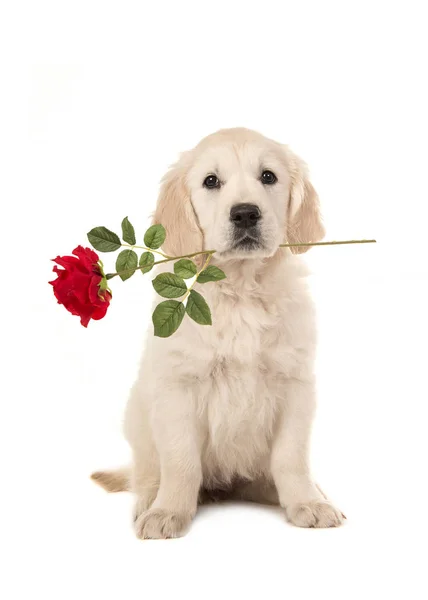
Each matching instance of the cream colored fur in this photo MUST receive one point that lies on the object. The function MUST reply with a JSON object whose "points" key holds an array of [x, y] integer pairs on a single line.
{"points": [[227, 410]]}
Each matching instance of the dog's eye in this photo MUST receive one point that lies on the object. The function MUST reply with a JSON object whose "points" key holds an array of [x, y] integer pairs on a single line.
{"points": [[211, 182], [268, 178]]}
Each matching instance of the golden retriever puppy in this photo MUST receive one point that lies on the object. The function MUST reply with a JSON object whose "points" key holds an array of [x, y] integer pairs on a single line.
{"points": [[227, 410]]}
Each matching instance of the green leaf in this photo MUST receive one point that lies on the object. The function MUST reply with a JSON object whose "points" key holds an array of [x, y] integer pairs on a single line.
{"points": [[127, 261], [128, 232], [198, 309], [155, 236], [146, 261], [169, 285], [167, 317], [211, 273], [103, 239], [185, 268]]}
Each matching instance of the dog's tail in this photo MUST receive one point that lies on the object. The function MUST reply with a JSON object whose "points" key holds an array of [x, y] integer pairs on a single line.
{"points": [[118, 480]]}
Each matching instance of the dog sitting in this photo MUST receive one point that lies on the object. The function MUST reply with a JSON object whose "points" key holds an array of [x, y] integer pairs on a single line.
{"points": [[226, 411]]}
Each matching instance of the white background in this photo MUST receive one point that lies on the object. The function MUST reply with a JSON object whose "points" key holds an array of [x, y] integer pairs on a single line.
{"points": [[97, 100]]}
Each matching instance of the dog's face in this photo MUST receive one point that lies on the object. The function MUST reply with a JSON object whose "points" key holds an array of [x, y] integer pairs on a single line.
{"points": [[240, 194]]}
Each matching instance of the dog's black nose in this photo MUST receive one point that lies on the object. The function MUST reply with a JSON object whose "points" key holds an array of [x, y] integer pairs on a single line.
{"points": [[245, 215]]}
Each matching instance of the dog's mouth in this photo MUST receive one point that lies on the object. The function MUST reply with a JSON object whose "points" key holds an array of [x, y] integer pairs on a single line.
{"points": [[247, 242]]}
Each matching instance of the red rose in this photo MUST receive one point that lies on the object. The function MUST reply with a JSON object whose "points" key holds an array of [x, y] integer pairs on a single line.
{"points": [[81, 285]]}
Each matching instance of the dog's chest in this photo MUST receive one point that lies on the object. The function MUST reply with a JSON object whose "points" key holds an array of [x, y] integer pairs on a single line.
{"points": [[239, 396], [241, 324]]}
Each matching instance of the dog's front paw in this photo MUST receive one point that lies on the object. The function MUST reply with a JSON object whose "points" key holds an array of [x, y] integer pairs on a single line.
{"points": [[314, 514], [158, 523], [142, 503]]}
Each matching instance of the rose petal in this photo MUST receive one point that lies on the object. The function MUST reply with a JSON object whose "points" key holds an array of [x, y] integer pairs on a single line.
{"points": [[100, 312], [86, 255]]}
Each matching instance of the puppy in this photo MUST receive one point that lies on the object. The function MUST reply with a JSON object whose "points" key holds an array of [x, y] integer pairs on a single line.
{"points": [[226, 411]]}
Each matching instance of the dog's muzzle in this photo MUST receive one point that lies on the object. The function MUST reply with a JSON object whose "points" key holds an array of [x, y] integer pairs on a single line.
{"points": [[245, 218]]}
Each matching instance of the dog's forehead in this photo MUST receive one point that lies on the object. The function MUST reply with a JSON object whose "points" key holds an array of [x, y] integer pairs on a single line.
{"points": [[229, 156]]}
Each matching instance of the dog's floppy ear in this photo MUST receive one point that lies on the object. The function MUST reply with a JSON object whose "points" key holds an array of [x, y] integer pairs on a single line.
{"points": [[304, 222], [175, 212]]}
